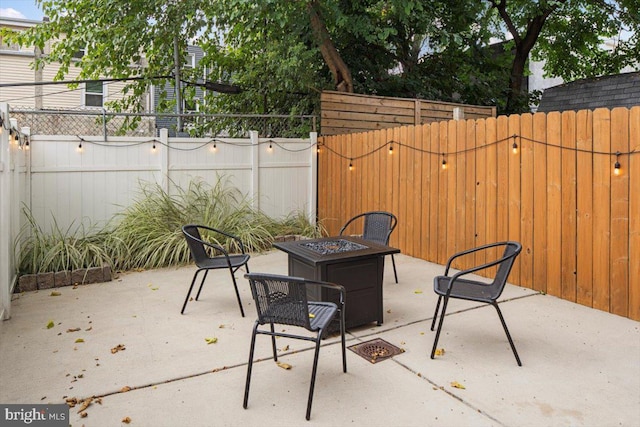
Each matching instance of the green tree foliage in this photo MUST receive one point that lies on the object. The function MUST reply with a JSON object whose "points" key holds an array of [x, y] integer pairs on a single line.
{"points": [[284, 53]]}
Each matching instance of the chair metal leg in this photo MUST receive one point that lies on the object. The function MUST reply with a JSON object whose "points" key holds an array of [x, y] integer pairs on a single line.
{"points": [[313, 374], [435, 341], [202, 284], [195, 275], [393, 261], [435, 313], [235, 286], [344, 352], [504, 325], [273, 344], [249, 366]]}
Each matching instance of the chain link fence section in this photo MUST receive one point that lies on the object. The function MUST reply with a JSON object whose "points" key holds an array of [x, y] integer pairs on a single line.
{"points": [[86, 122]]}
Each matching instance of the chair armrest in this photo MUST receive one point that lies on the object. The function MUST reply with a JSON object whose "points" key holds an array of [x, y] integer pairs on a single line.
{"points": [[476, 268], [341, 289], [346, 225], [231, 236], [470, 251]]}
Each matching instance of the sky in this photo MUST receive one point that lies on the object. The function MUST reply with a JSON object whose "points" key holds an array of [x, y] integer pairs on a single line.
{"points": [[25, 9]]}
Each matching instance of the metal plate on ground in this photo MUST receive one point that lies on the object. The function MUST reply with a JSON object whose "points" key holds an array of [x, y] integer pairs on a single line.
{"points": [[376, 350]]}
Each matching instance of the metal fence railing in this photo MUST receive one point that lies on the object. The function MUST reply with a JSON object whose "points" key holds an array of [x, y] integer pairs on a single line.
{"points": [[88, 122]]}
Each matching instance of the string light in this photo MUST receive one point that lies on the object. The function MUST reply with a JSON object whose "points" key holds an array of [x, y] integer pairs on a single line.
{"points": [[350, 164], [80, 147], [26, 144], [390, 148], [616, 166], [270, 146], [153, 148], [444, 162]]}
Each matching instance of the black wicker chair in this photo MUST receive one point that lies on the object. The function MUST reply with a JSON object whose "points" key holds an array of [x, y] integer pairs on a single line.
{"points": [[283, 300], [212, 256], [456, 287], [378, 226]]}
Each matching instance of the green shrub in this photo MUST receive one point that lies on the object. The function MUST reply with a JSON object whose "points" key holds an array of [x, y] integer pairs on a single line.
{"points": [[148, 233]]}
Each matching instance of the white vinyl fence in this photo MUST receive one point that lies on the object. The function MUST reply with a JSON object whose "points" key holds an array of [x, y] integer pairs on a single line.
{"points": [[86, 180], [13, 193]]}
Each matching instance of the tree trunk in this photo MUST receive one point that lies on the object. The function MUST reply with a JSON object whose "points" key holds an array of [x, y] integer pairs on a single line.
{"points": [[340, 71]]}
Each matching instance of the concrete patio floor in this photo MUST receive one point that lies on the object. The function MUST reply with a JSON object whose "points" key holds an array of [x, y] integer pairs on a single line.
{"points": [[581, 367]]}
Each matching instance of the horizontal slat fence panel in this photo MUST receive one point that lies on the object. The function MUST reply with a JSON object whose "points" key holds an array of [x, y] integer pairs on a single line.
{"points": [[545, 180], [350, 113]]}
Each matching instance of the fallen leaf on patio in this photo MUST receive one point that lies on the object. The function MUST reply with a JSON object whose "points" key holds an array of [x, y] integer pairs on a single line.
{"points": [[285, 348], [85, 404], [50, 324], [222, 326], [311, 315], [72, 401], [73, 330], [55, 294], [79, 340], [439, 351], [389, 311], [211, 340], [154, 289], [119, 347], [456, 384], [284, 365], [125, 389], [126, 420], [417, 291], [83, 415], [89, 328]]}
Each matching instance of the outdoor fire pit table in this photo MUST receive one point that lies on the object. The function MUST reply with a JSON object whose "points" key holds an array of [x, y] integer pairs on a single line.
{"points": [[354, 263]]}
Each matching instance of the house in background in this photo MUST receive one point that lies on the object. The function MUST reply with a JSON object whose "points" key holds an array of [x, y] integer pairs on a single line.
{"points": [[617, 90], [192, 106], [16, 66]]}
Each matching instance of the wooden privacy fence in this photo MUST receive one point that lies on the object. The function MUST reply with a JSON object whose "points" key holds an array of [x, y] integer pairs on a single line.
{"points": [[545, 180], [351, 112]]}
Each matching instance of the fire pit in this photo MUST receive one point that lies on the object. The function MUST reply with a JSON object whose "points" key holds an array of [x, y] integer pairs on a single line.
{"points": [[334, 246]]}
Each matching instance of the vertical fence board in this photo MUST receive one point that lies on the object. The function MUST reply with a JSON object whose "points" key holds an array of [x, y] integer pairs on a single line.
{"points": [[395, 180], [539, 225], [527, 200], [470, 188], [500, 131], [554, 204], [491, 225], [460, 172], [425, 191], [619, 241], [443, 217], [602, 169], [515, 185], [634, 213], [452, 221], [584, 180], [434, 191], [415, 195], [481, 185], [405, 180], [568, 208]]}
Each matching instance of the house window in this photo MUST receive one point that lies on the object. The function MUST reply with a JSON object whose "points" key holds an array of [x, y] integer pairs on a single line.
{"points": [[190, 106], [93, 94], [190, 61], [78, 54]]}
